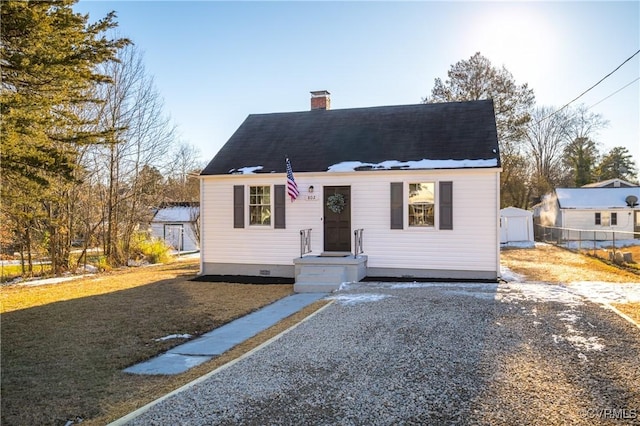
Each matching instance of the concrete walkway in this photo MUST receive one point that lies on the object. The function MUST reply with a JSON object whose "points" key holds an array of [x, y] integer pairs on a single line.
{"points": [[216, 342]]}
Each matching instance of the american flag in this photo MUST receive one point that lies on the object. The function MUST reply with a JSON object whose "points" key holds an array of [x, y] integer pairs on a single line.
{"points": [[292, 187]]}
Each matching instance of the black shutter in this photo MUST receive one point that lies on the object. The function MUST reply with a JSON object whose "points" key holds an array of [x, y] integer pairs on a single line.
{"points": [[238, 206], [397, 211], [280, 197], [445, 197]]}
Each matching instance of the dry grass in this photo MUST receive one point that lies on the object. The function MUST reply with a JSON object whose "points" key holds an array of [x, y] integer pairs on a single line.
{"points": [[64, 346], [604, 254], [556, 265], [632, 310]]}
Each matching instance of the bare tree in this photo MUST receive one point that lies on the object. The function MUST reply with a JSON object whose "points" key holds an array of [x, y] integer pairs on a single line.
{"points": [[475, 79], [182, 184], [546, 139], [585, 124], [140, 137]]}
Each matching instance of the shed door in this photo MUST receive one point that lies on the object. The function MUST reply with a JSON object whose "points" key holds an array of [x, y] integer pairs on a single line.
{"points": [[636, 225], [337, 218], [517, 229], [174, 235]]}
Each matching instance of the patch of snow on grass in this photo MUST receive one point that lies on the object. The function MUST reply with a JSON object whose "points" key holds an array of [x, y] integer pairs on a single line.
{"points": [[173, 336], [602, 292], [510, 276], [589, 244], [45, 281], [518, 244]]}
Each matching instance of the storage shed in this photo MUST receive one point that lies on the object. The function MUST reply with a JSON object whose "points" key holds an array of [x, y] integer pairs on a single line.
{"points": [[516, 225], [178, 225]]}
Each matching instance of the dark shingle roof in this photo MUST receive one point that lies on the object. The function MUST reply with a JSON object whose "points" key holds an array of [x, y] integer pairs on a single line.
{"points": [[315, 140]]}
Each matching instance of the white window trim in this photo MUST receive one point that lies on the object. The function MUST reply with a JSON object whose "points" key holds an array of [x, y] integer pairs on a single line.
{"points": [[248, 204], [436, 224]]}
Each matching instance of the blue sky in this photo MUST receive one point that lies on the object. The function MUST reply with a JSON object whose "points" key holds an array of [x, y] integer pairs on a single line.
{"points": [[215, 62]]}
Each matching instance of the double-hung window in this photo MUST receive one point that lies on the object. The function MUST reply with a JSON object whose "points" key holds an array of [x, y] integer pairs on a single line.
{"points": [[260, 205], [603, 219], [421, 204]]}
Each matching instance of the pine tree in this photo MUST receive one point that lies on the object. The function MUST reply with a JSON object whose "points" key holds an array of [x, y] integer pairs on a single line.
{"points": [[618, 163], [49, 57], [580, 157], [49, 60]]}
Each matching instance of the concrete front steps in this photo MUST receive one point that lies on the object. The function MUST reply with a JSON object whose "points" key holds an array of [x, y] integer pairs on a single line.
{"points": [[325, 273]]}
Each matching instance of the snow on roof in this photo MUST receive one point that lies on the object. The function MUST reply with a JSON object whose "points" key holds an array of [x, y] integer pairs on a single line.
{"points": [[245, 170], [595, 198], [350, 166], [176, 214]]}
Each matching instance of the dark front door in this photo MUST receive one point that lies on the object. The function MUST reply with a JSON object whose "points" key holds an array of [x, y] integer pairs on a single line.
{"points": [[337, 218]]}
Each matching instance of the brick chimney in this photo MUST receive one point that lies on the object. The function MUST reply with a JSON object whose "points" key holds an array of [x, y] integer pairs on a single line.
{"points": [[320, 99]]}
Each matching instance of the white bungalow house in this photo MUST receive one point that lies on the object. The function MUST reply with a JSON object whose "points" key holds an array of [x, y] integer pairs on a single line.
{"points": [[404, 192], [177, 224], [591, 213]]}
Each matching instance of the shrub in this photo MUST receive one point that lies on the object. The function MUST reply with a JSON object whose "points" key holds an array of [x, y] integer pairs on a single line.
{"points": [[153, 250], [102, 264]]}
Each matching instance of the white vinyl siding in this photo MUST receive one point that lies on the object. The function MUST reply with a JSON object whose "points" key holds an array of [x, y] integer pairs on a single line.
{"points": [[585, 220], [470, 245]]}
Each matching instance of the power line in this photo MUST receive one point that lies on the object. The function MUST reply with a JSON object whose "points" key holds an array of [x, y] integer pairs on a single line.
{"points": [[619, 90], [589, 89]]}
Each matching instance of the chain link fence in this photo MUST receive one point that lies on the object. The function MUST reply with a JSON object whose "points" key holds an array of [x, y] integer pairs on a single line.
{"points": [[606, 243]]}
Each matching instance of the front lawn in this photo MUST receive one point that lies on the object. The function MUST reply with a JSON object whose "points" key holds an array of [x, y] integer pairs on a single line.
{"points": [[64, 345]]}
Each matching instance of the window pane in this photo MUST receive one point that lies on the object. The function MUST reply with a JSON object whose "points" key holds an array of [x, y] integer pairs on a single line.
{"points": [[260, 205], [421, 204], [421, 193]]}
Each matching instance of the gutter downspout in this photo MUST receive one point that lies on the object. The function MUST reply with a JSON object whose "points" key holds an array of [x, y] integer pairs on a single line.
{"points": [[497, 236], [202, 227]]}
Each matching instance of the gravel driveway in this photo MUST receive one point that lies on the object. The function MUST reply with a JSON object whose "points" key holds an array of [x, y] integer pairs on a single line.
{"points": [[519, 353]]}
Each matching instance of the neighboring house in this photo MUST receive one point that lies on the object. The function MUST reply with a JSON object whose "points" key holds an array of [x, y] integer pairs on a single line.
{"points": [[177, 224], [421, 181], [516, 225], [610, 183], [591, 213]]}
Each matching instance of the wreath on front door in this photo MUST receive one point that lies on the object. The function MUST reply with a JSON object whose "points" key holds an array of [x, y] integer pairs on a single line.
{"points": [[336, 203]]}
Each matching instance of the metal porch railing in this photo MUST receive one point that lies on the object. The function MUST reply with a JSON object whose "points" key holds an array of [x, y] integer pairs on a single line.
{"points": [[305, 241], [358, 247]]}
